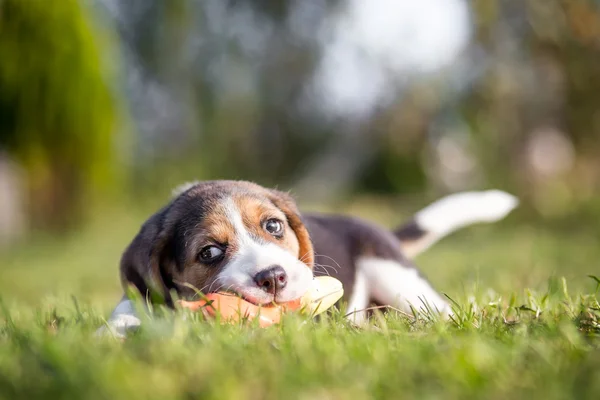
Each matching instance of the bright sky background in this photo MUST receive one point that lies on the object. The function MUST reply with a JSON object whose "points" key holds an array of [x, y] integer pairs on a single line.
{"points": [[376, 44]]}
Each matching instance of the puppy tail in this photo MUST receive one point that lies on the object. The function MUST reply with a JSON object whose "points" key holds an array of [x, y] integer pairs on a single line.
{"points": [[450, 214]]}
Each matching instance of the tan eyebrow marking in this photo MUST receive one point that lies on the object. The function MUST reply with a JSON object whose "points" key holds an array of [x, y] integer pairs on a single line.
{"points": [[254, 210]]}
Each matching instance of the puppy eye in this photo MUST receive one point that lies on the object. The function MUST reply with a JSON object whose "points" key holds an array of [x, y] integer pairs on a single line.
{"points": [[274, 227], [210, 254]]}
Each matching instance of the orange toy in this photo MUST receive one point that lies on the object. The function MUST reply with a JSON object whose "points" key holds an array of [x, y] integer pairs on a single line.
{"points": [[233, 308], [324, 293]]}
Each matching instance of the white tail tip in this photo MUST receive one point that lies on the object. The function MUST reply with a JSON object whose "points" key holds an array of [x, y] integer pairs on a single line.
{"points": [[461, 209]]}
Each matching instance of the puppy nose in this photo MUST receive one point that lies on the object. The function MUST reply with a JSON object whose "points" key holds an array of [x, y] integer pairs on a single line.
{"points": [[271, 280]]}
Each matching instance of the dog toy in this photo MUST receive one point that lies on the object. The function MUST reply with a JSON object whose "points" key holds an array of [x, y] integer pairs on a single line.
{"points": [[323, 294]]}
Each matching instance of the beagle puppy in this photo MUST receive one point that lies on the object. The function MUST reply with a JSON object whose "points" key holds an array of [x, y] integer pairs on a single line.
{"points": [[241, 237]]}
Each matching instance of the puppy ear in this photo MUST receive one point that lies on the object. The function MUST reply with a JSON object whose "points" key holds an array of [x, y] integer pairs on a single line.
{"points": [[286, 203], [145, 262]]}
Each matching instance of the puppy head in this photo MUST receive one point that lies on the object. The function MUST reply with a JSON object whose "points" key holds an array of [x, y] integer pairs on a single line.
{"points": [[223, 235]]}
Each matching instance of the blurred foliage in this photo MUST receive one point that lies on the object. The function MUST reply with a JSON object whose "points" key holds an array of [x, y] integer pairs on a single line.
{"points": [[546, 75], [218, 89], [245, 116], [57, 112]]}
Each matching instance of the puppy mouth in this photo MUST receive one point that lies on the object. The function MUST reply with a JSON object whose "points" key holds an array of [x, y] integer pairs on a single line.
{"points": [[268, 300], [258, 299]]}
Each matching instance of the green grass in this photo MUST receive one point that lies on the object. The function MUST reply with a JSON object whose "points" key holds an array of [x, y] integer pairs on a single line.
{"points": [[521, 330]]}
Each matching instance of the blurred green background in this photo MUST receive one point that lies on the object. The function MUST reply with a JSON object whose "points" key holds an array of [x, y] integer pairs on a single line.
{"points": [[374, 108]]}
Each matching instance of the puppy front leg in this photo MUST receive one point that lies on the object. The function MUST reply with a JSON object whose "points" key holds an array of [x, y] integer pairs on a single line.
{"points": [[123, 319]]}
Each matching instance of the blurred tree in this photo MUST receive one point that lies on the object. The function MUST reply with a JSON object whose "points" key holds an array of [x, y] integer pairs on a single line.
{"points": [[57, 112], [224, 89], [534, 115]]}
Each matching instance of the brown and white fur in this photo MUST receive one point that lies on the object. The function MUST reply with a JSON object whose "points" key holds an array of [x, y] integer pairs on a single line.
{"points": [[242, 237]]}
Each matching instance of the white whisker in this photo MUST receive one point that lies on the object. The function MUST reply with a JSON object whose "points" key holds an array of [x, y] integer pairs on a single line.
{"points": [[326, 256]]}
